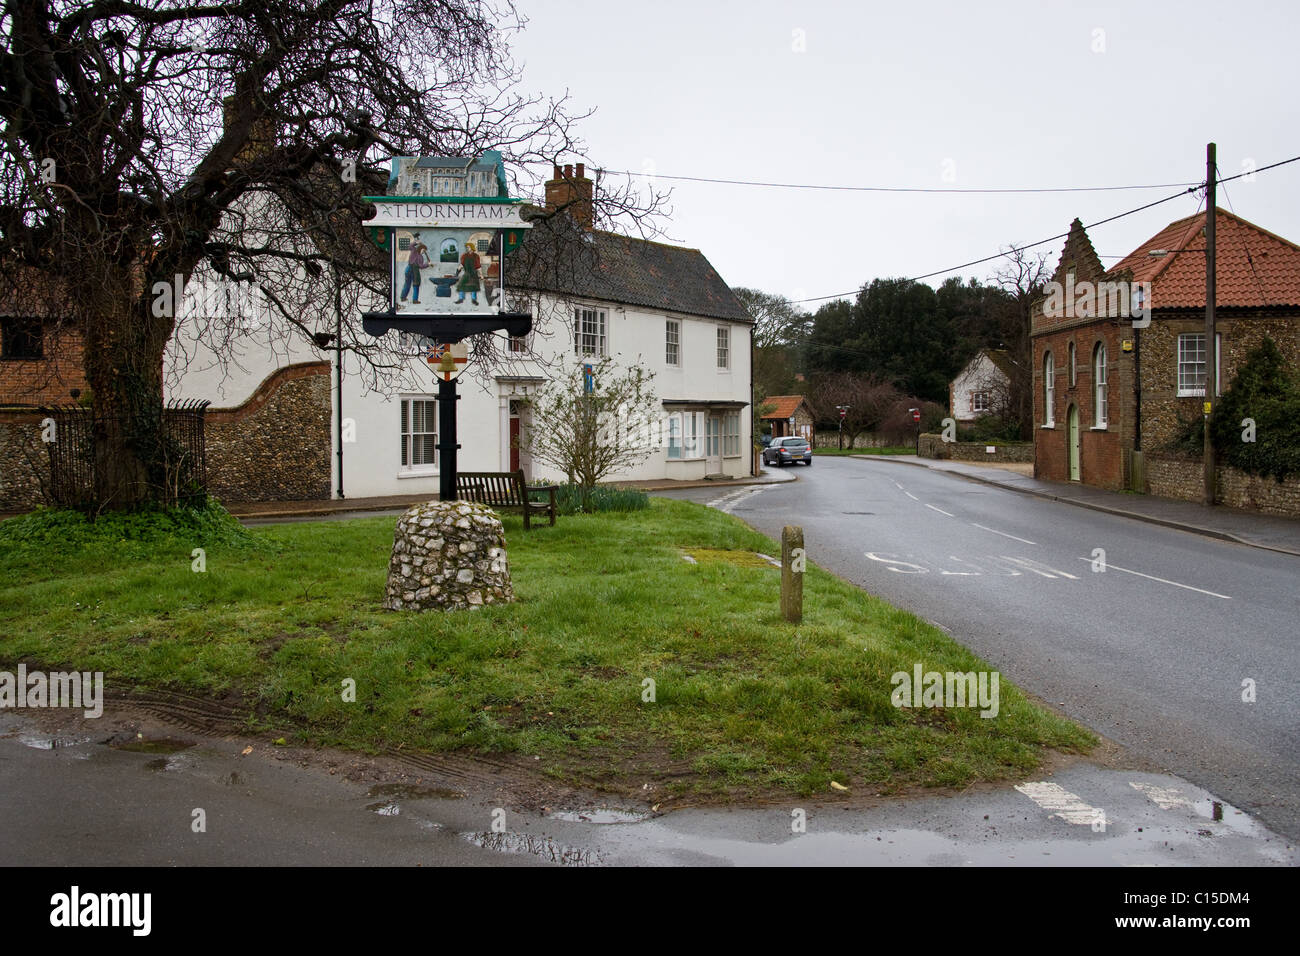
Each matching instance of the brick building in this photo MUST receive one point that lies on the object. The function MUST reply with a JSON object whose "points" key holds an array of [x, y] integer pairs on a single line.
{"points": [[784, 409], [1110, 396]]}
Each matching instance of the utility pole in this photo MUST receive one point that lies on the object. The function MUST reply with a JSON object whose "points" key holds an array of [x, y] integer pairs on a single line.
{"points": [[1211, 351]]}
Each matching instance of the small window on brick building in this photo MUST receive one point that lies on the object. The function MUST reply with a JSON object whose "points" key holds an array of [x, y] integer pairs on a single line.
{"points": [[1072, 366], [1049, 390], [1100, 404], [1191, 363], [20, 337]]}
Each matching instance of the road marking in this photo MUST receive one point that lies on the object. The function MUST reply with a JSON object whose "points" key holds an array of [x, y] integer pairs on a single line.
{"points": [[910, 495], [964, 574], [728, 501], [1004, 534], [940, 510], [1064, 804], [1037, 568], [1166, 798], [1152, 577]]}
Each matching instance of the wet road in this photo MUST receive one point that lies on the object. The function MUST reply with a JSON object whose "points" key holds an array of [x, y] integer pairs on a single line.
{"points": [[69, 799], [1157, 651]]}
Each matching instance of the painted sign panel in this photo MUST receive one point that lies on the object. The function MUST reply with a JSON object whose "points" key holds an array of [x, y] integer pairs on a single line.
{"points": [[446, 271]]}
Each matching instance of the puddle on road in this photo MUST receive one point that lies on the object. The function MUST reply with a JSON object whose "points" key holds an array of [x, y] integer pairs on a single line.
{"points": [[385, 809], [409, 791], [600, 815], [543, 847], [47, 742]]}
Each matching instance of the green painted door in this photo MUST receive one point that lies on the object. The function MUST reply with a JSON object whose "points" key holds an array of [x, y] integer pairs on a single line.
{"points": [[1073, 425]]}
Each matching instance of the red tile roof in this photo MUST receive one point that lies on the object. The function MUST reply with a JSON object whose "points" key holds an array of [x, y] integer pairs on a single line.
{"points": [[1253, 267], [784, 405]]}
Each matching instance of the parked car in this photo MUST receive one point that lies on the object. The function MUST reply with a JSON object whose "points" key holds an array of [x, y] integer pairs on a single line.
{"points": [[786, 450]]}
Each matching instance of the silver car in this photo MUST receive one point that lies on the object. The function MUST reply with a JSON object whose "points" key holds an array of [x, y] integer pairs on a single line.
{"points": [[784, 451]]}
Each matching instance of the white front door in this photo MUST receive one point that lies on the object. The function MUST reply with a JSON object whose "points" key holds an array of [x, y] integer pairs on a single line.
{"points": [[713, 444]]}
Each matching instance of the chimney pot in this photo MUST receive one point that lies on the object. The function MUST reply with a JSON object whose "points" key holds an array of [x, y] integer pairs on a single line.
{"points": [[568, 171], [581, 168], [557, 171]]}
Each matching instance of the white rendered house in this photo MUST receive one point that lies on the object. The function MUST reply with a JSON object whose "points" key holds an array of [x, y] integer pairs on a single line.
{"points": [[658, 306]]}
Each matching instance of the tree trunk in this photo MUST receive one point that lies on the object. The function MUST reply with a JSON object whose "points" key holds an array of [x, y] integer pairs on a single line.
{"points": [[124, 345]]}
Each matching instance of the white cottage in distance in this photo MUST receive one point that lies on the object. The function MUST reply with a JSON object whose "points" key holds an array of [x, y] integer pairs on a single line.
{"points": [[659, 306]]}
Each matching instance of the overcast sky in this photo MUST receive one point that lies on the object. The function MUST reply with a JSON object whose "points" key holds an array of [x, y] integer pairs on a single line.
{"points": [[957, 94]]}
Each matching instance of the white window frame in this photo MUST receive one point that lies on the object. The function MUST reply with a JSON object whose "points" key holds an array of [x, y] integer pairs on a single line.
{"points": [[408, 465], [1100, 400], [979, 400], [590, 332], [692, 436], [724, 348], [1049, 390], [1189, 391], [520, 344], [731, 434], [673, 343]]}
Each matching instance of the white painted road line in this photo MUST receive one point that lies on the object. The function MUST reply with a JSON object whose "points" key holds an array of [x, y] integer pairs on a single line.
{"points": [[1166, 798], [1061, 802], [728, 501], [940, 510], [1152, 577], [1043, 570], [1003, 533]]}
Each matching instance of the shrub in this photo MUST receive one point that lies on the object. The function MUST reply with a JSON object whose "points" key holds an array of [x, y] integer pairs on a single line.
{"points": [[64, 529], [1267, 393], [568, 499]]}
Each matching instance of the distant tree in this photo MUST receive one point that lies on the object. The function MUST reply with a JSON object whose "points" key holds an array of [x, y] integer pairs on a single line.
{"points": [[590, 435], [1021, 278], [780, 331], [868, 401]]}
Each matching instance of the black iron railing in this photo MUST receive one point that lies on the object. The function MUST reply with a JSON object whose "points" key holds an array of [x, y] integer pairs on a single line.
{"points": [[180, 475]]}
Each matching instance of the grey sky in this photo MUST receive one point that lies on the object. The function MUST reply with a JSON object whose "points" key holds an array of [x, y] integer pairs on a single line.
{"points": [[1001, 94]]}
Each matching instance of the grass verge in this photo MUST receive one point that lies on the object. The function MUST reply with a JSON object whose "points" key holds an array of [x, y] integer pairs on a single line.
{"points": [[745, 703]]}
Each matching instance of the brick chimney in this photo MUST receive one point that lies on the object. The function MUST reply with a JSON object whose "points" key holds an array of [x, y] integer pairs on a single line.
{"points": [[571, 188]]}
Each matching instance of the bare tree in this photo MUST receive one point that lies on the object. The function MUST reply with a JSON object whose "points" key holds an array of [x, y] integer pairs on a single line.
{"points": [[866, 399], [1022, 276], [151, 142], [588, 435]]}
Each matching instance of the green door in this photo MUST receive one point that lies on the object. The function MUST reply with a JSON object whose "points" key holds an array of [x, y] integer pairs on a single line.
{"points": [[1072, 419]]}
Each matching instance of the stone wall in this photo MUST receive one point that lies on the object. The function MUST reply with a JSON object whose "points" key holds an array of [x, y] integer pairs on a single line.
{"points": [[933, 446], [24, 460], [448, 555], [1182, 478], [275, 446]]}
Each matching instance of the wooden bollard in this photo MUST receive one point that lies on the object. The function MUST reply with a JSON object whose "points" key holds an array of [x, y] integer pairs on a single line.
{"points": [[793, 563]]}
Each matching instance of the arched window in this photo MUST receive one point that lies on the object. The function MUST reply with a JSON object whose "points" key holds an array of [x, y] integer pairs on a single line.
{"points": [[1049, 390], [1072, 366], [1099, 384]]}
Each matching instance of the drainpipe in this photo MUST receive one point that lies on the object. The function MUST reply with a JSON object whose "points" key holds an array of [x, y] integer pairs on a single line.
{"points": [[338, 372]]}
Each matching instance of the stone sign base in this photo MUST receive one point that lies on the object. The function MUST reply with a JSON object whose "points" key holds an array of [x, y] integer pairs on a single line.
{"points": [[448, 555]]}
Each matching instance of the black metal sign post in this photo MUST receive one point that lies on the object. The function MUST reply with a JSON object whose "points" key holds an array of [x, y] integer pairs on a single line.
{"points": [[447, 331]]}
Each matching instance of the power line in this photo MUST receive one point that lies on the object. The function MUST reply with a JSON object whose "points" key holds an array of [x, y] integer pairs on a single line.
{"points": [[892, 189], [1031, 245]]}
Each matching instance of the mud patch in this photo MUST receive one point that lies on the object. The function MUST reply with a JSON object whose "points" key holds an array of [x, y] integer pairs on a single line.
{"points": [[409, 791], [139, 744], [740, 559]]}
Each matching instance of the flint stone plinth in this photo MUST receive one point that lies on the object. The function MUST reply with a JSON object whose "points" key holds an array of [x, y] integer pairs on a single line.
{"points": [[448, 555]]}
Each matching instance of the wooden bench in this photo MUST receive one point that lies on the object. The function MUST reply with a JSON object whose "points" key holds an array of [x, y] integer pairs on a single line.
{"points": [[504, 490]]}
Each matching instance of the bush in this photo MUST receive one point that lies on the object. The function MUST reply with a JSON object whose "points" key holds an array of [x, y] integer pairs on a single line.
{"points": [[568, 499], [63, 529], [1264, 391]]}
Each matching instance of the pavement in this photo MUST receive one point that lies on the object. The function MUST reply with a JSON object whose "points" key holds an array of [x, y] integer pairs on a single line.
{"points": [[260, 511], [1229, 524]]}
